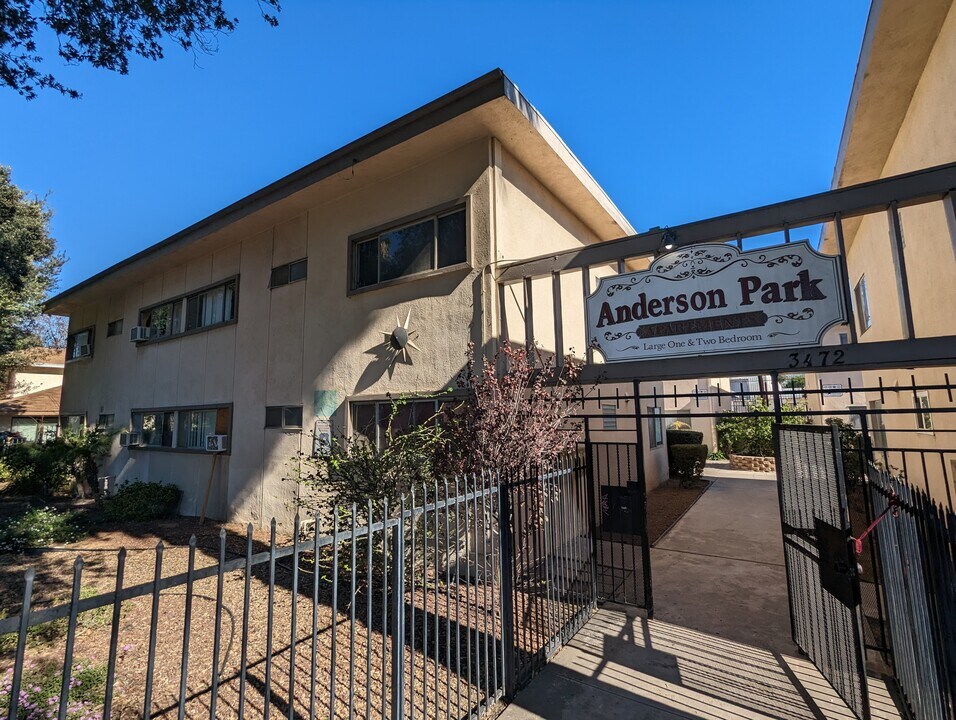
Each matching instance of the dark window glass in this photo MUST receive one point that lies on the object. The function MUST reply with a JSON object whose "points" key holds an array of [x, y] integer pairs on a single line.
{"points": [[298, 270], [366, 263], [104, 422], [114, 328], [274, 417], [407, 251], [79, 344], [363, 421], [451, 239], [280, 276], [292, 416]]}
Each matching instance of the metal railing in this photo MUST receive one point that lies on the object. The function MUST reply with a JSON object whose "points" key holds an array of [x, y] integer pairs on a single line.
{"points": [[917, 541], [433, 606]]}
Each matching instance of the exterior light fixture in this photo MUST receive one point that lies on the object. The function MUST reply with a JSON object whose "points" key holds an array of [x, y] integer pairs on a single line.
{"points": [[668, 239]]}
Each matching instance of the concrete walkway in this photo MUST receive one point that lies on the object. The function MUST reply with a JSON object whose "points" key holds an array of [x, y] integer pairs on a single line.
{"points": [[720, 568], [719, 646], [623, 667]]}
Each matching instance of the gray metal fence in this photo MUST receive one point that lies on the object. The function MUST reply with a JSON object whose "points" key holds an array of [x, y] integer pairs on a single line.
{"points": [[917, 549], [432, 606]]}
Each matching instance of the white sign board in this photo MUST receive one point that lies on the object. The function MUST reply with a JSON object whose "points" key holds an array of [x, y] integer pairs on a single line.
{"points": [[833, 389], [717, 299]]}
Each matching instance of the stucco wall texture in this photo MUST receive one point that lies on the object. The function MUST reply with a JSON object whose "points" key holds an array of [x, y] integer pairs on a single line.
{"points": [[926, 137], [291, 342]]}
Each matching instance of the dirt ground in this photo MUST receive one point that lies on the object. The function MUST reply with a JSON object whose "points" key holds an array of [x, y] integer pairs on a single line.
{"points": [[456, 630], [668, 502]]}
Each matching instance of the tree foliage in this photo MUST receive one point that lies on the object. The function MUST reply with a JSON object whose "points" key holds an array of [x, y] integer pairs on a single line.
{"points": [[508, 421], [105, 34], [29, 266]]}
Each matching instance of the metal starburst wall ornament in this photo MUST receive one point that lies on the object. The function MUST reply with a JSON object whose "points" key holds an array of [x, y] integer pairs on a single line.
{"points": [[399, 340]]}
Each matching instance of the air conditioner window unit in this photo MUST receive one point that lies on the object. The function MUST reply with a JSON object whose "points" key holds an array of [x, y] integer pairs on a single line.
{"points": [[217, 443], [84, 351], [131, 439], [139, 333]]}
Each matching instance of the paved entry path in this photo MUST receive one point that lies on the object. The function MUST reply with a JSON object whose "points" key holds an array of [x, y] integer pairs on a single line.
{"points": [[623, 667], [720, 568], [719, 645]]}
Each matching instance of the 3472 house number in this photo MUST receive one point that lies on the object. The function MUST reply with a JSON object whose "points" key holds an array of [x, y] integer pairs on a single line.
{"points": [[820, 358]]}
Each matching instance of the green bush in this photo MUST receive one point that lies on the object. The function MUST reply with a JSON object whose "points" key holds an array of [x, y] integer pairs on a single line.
{"points": [[142, 501], [40, 527], [688, 460], [748, 435], [684, 437], [54, 466], [39, 468]]}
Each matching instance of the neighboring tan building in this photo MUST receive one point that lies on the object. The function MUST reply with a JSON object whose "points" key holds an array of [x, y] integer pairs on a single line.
{"points": [[287, 311], [902, 117], [30, 406]]}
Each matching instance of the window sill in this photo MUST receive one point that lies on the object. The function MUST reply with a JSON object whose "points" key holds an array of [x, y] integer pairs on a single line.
{"points": [[187, 333], [427, 275], [181, 451], [78, 359]]}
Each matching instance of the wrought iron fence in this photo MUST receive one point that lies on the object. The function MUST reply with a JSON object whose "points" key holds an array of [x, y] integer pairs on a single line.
{"points": [[434, 605], [917, 542]]}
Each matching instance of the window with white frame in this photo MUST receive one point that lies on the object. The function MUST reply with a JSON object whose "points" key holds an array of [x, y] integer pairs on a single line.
{"points": [[203, 309], [79, 344], [655, 426], [862, 305], [426, 244], [924, 418], [378, 421]]}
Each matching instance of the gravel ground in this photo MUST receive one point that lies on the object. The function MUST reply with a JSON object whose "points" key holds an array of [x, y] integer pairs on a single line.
{"points": [[467, 617]]}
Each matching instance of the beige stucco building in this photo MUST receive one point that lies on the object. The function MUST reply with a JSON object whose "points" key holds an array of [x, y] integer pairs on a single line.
{"points": [[269, 319], [30, 404], [902, 117]]}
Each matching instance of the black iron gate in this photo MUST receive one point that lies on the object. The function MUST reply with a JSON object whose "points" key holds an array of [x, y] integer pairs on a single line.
{"points": [[821, 572], [619, 496]]}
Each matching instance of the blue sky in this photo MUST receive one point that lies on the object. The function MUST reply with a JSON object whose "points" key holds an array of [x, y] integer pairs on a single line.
{"points": [[681, 110]]}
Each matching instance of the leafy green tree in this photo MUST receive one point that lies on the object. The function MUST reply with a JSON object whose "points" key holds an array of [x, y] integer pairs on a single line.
{"points": [[29, 266], [744, 434], [105, 33]]}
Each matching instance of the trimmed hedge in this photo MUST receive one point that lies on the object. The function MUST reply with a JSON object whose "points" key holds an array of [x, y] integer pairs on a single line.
{"points": [[684, 437], [142, 501], [688, 460]]}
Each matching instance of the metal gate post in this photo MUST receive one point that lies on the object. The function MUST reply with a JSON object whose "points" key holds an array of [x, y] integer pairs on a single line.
{"points": [[642, 479], [398, 614], [506, 587], [592, 513]]}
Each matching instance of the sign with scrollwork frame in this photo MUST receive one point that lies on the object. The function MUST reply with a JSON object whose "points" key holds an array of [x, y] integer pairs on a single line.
{"points": [[715, 298]]}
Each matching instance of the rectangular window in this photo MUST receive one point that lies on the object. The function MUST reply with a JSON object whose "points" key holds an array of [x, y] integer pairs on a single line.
{"points": [[114, 328], [862, 305], [104, 422], [609, 417], [844, 339], [211, 307], [156, 427], [655, 427], [378, 421], [184, 429], [207, 308], [79, 344], [288, 273], [284, 416], [924, 418], [31, 429], [73, 423], [430, 243]]}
